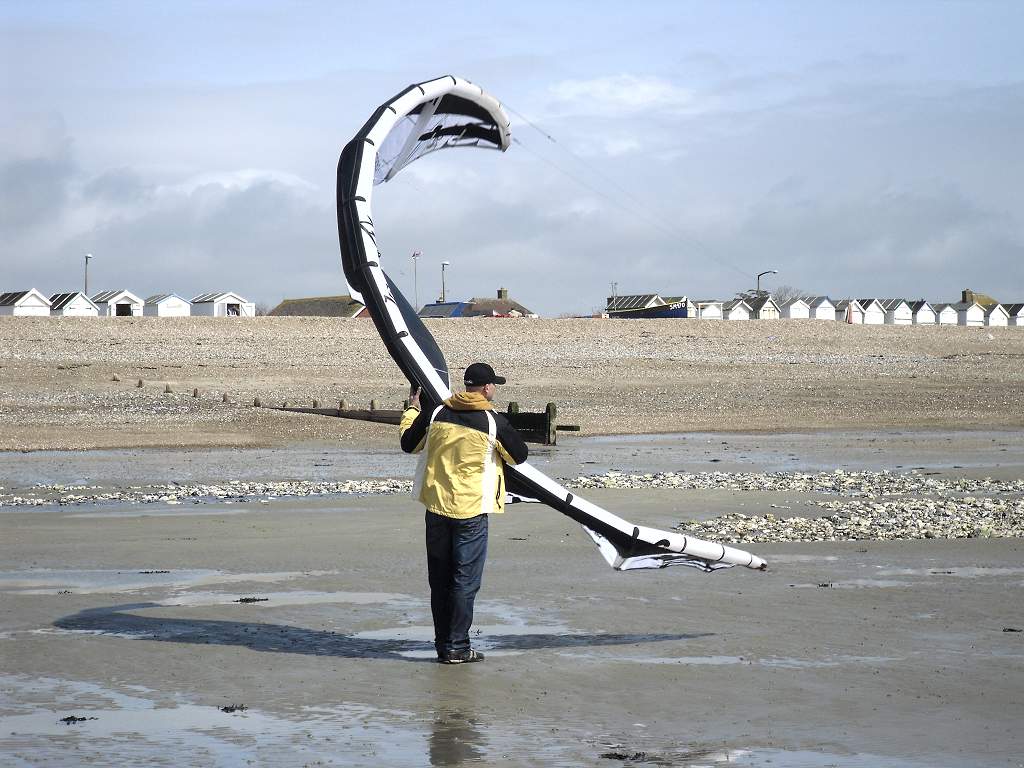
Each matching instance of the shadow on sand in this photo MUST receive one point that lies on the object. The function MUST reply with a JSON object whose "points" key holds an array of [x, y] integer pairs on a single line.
{"points": [[282, 638]]}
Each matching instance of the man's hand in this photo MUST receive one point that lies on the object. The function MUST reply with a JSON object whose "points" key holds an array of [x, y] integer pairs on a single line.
{"points": [[414, 399]]}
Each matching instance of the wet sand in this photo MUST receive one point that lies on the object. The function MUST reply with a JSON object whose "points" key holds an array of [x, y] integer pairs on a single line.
{"points": [[849, 653]]}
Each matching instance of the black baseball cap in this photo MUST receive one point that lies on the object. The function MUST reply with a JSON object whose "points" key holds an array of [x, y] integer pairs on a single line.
{"points": [[479, 374]]}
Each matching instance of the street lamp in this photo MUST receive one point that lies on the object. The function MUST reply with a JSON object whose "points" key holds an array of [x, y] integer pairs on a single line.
{"points": [[87, 257], [443, 265], [415, 285], [761, 274]]}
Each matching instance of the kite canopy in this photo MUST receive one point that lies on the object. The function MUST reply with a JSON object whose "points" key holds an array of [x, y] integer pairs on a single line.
{"points": [[438, 114]]}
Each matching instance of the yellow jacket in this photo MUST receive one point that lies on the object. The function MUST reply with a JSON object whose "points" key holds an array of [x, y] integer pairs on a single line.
{"points": [[464, 445]]}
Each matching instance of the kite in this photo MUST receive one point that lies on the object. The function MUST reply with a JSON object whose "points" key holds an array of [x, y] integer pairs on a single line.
{"points": [[441, 114]]}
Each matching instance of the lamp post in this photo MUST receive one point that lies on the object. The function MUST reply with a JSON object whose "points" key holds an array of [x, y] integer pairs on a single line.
{"points": [[87, 257], [443, 265], [415, 285], [761, 274]]}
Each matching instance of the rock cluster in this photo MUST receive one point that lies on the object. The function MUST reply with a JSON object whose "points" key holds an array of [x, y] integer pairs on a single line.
{"points": [[174, 493], [875, 505], [867, 484]]}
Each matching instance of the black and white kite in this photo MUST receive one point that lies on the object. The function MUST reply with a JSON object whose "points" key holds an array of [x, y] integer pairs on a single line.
{"points": [[438, 114]]}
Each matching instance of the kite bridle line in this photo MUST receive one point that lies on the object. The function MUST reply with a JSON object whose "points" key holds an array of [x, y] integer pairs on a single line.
{"points": [[642, 210]]}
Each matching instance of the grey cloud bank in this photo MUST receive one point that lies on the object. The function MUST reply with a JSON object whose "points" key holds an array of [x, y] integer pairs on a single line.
{"points": [[691, 168]]}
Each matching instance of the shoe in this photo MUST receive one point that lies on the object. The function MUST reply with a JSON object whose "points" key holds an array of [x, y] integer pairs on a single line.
{"points": [[465, 657]]}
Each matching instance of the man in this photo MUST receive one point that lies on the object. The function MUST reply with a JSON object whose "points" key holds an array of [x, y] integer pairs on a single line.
{"points": [[460, 480]]}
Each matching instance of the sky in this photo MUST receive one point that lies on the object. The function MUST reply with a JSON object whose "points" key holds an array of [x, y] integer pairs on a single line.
{"points": [[860, 149]]}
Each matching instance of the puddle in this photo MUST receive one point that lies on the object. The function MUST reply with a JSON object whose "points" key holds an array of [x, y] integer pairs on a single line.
{"points": [[45, 582], [963, 572], [713, 661], [857, 584], [828, 661], [144, 728], [135, 511], [493, 639], [772, 758], [296, 597]]}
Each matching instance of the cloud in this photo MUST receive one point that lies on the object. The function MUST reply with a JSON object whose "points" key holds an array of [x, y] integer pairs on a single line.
{"points": [[617, 96]]}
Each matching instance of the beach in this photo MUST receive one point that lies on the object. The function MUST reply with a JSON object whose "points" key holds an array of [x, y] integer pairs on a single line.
{"points": [[192, 582], [57, 387]]}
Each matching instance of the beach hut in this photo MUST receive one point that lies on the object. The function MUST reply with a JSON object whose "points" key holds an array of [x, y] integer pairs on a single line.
{"points": [[444, 309], [945, 314], [969, 313], [166, 305], [30, 303], [922, 313], [796, 309], [222, 305], [897, 312], [74, 304], [1015, 312], [320, 306], [997, 316], [822, 308], [849, 311], [764, 308], [709, 309], [874, 312], [737, 309], [120, 303]]}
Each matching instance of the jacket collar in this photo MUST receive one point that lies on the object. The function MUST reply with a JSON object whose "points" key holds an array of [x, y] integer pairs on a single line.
{"points": [[468, 401]]}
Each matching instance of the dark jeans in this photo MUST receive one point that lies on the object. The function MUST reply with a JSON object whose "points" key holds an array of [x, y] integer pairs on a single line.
{"points": [[456, 550]]}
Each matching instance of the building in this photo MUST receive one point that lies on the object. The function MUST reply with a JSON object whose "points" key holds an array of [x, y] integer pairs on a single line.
{"points": [[708, 309], [120, 303], [444, 309], [897, 312], [969, 313], [74, 304], [502, 306], [1015, 312], [997, 316], [166, 305], [796, 309], [763, 308], [222, 305], [822, 308], [874, 312], [30, 303], [922, 313], [320, 306], [649, 305], [849, 311], [945, 314], [737, 309]]}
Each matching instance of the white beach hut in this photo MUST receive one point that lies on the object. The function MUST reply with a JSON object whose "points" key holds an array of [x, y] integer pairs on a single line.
{"points": [[74, 304], [849, 311], [969, 313], [166, 305], [120, 303], [709, 309], [796, 309], [897, 312], [30, 303], [822, 308], [222, 305], [945, 314], [997, 316], [764, 308], [1015, 312], [922, 312], [737, 309], [874, 312]]}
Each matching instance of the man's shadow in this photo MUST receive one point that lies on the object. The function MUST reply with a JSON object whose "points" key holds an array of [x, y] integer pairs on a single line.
{"points": [[282, 638]]}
